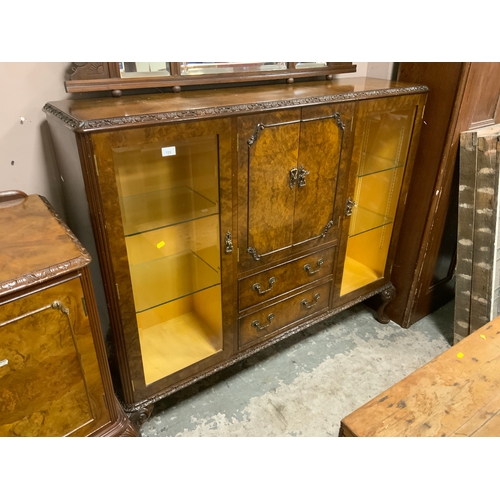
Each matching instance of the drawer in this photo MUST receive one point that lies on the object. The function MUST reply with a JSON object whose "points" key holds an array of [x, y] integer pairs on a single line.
{"points": [[284, 278], [282, 314]]}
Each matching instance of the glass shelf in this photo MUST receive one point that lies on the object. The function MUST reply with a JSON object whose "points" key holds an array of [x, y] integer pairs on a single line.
{"points": [[374, 164], [365, 220], [149, 211], [163, 280]]}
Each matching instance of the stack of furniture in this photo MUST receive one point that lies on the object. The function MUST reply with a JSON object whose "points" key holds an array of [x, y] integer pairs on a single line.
{"points": [[54, 375], [226, 220]]}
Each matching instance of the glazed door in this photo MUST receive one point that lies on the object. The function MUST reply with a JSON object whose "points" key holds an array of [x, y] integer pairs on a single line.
{"points": [[288, 178], [380, 177], [167, 197]]}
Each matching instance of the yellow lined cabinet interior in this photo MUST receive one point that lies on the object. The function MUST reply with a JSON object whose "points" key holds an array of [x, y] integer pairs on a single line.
{"points": [[169, 201], [384, 140]]}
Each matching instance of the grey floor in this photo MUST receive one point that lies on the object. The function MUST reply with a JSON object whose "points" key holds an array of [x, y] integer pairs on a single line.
{"points": [[306, 384]]}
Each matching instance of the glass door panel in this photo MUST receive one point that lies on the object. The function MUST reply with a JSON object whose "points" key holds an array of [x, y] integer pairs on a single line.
{"points": [[376, 198], [385, 143], [169, 201]]}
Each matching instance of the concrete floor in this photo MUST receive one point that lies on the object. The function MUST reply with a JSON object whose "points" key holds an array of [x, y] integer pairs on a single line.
{"points": [[306, 384]]}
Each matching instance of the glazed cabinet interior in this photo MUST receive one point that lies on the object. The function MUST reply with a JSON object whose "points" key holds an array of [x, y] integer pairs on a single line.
{"points": [[167, 194], [227, 221], [378, 165]]}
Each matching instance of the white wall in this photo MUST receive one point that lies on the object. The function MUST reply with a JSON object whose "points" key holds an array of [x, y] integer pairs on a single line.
{"points": [[27, 161]]}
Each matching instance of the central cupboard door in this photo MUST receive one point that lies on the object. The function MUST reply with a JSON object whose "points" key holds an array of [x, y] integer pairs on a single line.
{"points": [[289, 171], [166, 193]]}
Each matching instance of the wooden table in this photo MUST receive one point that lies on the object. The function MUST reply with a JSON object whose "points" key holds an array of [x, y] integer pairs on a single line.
{"points": [[455, 394]]}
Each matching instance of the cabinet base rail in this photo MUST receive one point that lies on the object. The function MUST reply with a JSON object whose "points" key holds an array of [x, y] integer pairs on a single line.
{"points": [[141, 411]]}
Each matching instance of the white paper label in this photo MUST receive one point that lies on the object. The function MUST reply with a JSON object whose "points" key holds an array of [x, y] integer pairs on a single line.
{"points": [[4, 362], [170, 151]]}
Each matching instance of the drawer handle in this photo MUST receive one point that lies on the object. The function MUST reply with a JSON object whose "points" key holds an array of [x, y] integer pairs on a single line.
{"points": [[256, 286], [307, 268], [308, 306], [256, 324], [4, 362]]}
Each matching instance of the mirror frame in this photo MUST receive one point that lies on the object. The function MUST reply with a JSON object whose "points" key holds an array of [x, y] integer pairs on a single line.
{"points": [[105, 76]]}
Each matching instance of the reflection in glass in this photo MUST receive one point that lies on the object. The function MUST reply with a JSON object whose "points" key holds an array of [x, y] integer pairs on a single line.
{"points": [[207, 68], [139, 69], [304, 65]]}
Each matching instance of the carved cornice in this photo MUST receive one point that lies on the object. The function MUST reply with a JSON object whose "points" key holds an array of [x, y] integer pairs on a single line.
{"points": [[67, 119], [41, 275], [221, 111]]}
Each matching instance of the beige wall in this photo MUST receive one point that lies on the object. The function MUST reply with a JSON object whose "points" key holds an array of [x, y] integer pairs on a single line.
{"points": [[27, 159]]}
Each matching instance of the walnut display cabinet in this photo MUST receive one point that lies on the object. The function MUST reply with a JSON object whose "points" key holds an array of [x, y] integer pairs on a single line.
{"points": [[54, 374], [226, 220]]}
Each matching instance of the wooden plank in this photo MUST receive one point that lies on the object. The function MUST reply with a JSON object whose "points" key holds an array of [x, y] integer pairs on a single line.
{"points": [[455, 394], [476, 277], [467, 189], [485, 227]]}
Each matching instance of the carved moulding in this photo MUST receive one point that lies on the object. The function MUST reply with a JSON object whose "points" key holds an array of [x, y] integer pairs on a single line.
{"points": [[220, 111], [41, 275]]}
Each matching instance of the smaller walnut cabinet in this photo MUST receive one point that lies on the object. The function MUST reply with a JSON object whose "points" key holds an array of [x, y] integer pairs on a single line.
{"points": [[54, 376]]}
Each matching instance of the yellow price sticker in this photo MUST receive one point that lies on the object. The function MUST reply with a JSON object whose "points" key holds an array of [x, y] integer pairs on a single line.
{"points": [[161, 244], [460, 355], [483, 336]]}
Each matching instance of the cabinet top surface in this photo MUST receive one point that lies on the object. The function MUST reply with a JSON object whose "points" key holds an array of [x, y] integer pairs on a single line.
{"points": [[102, 113], [35, 245]]}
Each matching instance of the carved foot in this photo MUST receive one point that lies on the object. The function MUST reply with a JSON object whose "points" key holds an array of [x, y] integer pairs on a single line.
{"points": [[387, 296], [140, 416]]}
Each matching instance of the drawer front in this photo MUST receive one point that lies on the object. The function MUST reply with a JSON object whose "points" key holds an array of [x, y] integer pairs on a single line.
{"points": [[274, 318], [281, 279], [47, 365]]}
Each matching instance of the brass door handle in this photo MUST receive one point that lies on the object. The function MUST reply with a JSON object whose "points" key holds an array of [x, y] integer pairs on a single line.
{"points": [[256, 286], [228, 240], [302, 176], [312, 304], [294, 174], [307, 268], [350, 204], [256, 324]]}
